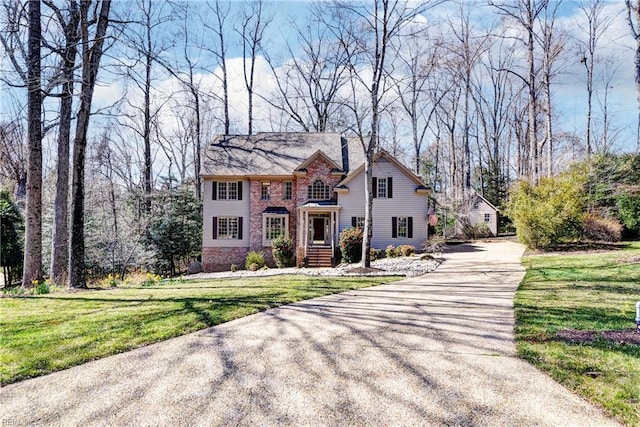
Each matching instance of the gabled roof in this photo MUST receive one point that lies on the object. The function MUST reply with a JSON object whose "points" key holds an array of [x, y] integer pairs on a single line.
{"points": [[314, 156], [277, 154], [382, 153], [478, 196]]}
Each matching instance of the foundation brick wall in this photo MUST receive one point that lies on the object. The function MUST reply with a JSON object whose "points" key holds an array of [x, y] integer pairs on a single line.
{"points": [[220, 259]]}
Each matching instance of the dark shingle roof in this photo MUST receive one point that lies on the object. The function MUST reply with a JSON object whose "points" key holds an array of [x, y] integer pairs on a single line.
{"points": [[276, 153]]}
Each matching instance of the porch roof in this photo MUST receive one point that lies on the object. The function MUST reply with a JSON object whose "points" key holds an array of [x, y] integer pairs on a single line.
{"points": [[320, 205]]}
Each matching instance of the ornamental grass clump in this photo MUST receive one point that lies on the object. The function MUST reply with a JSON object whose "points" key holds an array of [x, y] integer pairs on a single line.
{"points": [[254, 261], [405, 250]]}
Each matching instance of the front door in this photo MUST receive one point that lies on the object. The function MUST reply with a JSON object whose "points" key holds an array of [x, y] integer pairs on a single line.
{"points": [[318, 230]]}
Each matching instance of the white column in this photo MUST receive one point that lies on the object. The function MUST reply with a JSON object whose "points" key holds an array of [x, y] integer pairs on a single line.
{"points": [[333, 233], [306, 232]]}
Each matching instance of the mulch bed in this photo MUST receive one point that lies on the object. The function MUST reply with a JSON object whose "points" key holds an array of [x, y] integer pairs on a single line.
{"points": [[625, 336]]}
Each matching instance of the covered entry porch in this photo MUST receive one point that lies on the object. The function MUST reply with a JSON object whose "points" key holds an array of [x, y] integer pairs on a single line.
{"points": [[318, 233]]}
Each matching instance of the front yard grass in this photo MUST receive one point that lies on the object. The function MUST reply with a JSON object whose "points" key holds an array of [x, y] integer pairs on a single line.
{"points": [[564, 305], [46, 333]]}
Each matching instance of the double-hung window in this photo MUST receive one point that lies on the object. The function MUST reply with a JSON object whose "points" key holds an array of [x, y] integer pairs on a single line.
{"points": [[287, 190], [274, 226], [357, 222], [487, 217], [226, 190], [265, 190], [382, 187], [227, 227], [402, 227]]}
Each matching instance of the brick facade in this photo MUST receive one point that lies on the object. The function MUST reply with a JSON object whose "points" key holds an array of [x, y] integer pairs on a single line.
{"points": [[220, 259], [217, 259]]}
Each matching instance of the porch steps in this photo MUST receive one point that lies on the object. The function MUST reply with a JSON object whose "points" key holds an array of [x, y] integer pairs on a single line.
{"points": [[319, 257]]}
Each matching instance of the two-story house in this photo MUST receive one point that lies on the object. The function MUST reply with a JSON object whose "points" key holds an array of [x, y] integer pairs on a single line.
{"points": [[309, 186]]}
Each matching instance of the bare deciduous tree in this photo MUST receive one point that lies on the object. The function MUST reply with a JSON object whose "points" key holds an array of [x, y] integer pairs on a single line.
{"points": [[366, 33], [526, 13], [633, 16], [254, 22], [308, 85], [92, 49], [32, 268], [69, 23]]}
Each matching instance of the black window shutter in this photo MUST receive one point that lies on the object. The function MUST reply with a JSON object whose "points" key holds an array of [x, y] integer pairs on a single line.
{"points": [[410, 227], [390, 187], [214, 191], [215, 227], [354, 221], [374, 187], [394, 226], [239, 228], [239, 190]]}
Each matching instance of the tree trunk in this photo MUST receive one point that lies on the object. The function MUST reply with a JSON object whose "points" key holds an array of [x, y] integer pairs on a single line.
{"points": [[368, 212], [532, 125], [90, 65], [60, 238], [33, 228], [633, 16], [147, 117]]}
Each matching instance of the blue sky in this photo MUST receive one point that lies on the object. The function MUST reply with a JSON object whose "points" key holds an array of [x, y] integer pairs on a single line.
{"points": [[569, 92]]}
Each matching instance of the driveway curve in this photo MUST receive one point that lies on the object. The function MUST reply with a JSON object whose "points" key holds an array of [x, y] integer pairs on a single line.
{"points": [[433, 350]]}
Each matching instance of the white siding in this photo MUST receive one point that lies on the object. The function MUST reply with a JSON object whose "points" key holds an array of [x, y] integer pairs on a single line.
{"points": [[476, 216], [216, 208], [405, 203]]}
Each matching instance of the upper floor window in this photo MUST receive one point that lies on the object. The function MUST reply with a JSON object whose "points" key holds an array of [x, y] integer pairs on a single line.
{"points": [[318, 190], [476, 205], [287, 190], [382, 187], [226, 190], [265, 190]]}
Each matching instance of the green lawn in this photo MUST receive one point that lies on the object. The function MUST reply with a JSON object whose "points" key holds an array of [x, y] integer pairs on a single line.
{"points": [[45, 333], [593, 292]]}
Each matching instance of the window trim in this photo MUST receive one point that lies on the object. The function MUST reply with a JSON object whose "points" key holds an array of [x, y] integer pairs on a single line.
{"points": [[228, 236], [402, 231], [220, 190], [388, 187], [395, 227], [382, 189], [265, 218], [357, 222], [314, 190], [287, 191], [265, 195]]}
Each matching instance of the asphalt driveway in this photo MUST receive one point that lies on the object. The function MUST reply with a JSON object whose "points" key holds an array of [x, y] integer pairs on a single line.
{"points": [[432, 350]]}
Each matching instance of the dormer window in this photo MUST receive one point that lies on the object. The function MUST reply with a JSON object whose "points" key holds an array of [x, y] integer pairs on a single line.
{"points": [[318, 190]]}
